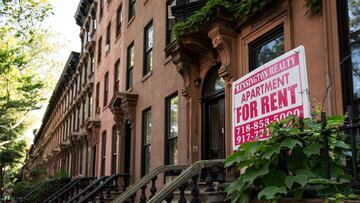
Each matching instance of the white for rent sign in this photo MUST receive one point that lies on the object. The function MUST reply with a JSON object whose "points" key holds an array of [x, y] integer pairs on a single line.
{"points": [[269, 93]]}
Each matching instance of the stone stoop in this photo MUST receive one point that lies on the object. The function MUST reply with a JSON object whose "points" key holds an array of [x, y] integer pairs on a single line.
{"points": [[113, 195]]}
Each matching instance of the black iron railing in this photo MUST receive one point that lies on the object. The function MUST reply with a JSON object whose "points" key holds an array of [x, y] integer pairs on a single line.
{"points": [[104, 190], [88, 189], [349, 133], [214, 173], [130, 194], [72, 189]]}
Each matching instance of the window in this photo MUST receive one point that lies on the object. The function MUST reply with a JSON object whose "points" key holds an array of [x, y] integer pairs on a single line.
{"points": [[113, 150], [97, 98], [148, 45], [99, 50], [116, 75], [146, 140], [92, 61], [85, 67], [172, 130], [170, 21], [349, 34], [119, 19], [101, 12], [89, 105], [108, 38], [83, 111], [78, 118], [131, 9], [106, 88], [103, 152], [266, 48], [130, 65]]}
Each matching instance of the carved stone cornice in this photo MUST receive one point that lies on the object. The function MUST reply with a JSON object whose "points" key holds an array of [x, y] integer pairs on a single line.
{"points": [[223, 36], [123, 107], [92, 131]]}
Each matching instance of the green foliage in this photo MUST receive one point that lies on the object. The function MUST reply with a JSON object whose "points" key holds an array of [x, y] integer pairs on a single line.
{"points": [[291, 163], [313, 6], [60, 175], [238, 10]]}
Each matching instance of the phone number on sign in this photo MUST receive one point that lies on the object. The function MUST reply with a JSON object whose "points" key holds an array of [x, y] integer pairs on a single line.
{"points": [[256, 130]]}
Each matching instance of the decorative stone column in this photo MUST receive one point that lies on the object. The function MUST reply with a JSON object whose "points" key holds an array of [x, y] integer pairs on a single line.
{"points": [[224, 41]]}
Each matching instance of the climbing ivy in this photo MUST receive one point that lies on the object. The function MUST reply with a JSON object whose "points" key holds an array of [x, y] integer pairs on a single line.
{"points": [[240, 9]]}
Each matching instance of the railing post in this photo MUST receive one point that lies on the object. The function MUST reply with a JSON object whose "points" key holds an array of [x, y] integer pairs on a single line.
{"points": [[209, 182], [325, 133], [143, 195], [182, 198], [195, 189], [153, 187], [353, 147]]}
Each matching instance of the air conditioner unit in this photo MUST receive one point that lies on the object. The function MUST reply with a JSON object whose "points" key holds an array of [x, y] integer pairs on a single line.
{"points": [[107, 48]]}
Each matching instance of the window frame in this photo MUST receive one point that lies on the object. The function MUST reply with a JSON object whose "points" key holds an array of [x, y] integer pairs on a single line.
{"points": [[119, 20], [148, 50], [99, 54], [263, 40], [168, 34], [129, 69], [145, 146], [167, 138], [106, 89], [114, 141], [97, 98], [117, 76], [108, 35], [131, 8], [103, 152]]}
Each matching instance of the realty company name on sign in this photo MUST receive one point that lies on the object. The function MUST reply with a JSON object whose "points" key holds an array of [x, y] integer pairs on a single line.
{"points": [[271, 92]]}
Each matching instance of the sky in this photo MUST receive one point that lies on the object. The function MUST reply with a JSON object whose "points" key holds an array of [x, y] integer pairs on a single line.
{"points": [[67, 32]]}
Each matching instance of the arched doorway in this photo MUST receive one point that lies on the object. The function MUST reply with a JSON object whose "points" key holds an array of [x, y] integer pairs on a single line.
{"points": [[213, 112]]}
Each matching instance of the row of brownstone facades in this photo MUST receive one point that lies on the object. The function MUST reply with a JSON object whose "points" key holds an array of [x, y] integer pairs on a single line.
{"points": [[135, 99]]}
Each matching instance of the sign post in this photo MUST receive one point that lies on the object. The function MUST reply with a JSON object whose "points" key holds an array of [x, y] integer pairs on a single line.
{"points": [[269, 93]]}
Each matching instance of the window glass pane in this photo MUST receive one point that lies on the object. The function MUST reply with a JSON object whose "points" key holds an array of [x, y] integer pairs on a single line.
{"points": [[354, 15], [355, 58], [149, 62], [170, 20], [147, 127], [173, 151], [149, 37], [174, 109], [269, 51], [147, 159], [131, 56]]}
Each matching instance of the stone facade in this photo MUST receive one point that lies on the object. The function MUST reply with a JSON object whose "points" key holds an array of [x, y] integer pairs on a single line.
{"points": [[181, 69]]}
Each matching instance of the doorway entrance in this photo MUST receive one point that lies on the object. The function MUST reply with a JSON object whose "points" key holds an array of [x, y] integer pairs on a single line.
{"points": [[127, 148], [213, 107]]}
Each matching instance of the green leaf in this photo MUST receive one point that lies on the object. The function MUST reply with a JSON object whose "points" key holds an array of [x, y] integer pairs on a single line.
{"points": [[271, 150], [301, 179], [342, 145], [290, 143], [312, 149], [252, 173], [236, 157], [244, 198], [276, 178], [305, 172], [270, 192]]}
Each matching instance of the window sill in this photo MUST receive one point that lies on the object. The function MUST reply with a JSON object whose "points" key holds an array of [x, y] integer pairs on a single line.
{"points": [[117, 37], [145, 77], [168, 59], [130, 89], [131, 20]]}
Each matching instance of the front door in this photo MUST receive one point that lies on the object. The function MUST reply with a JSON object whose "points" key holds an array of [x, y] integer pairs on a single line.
{"points": [[213, 113], [214, 135], [127, 149]]}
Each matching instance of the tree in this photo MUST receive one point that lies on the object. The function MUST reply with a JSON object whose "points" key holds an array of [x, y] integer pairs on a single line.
{"points": [[23, 40]]}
